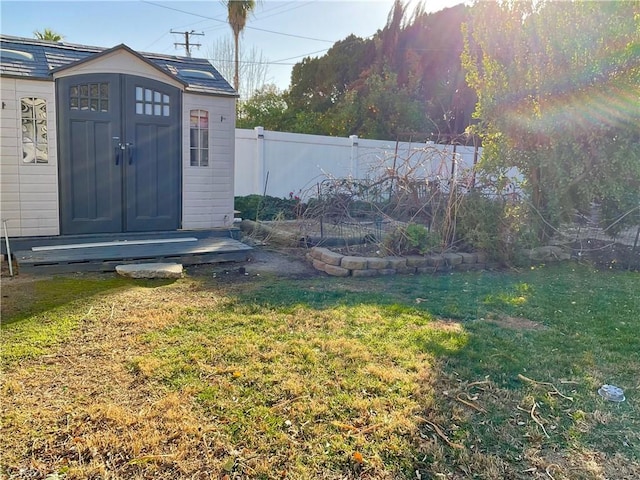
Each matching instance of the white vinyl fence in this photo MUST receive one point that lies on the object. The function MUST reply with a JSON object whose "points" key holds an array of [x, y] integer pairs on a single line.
{"points": [[278, 163]]}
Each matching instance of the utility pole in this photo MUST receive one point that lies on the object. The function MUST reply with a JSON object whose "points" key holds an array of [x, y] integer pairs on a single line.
{"points": [[187, 45]]}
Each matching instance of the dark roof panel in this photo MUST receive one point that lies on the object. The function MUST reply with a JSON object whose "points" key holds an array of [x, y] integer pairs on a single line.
{"points": [[48, 56]]}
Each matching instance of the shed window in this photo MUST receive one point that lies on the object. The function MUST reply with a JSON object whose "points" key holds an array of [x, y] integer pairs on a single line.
{"points": [[35, 147], [89, 96], [199, 127], [152, 102]]}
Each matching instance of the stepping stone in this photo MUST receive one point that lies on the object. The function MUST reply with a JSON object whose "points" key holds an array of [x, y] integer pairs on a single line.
{"points": [[150, 270]]}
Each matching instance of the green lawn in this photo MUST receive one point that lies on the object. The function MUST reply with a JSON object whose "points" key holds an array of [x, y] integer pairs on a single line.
{"points": [[466, 375]]}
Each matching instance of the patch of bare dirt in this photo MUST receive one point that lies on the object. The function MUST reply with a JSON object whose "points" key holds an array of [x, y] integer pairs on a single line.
{"points": [[282, 262], [264, 261], [516, 323], [17, 278], [288, 262]]}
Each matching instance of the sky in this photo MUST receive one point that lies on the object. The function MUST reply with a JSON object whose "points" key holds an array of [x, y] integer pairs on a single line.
{"points": [[283, 32]]}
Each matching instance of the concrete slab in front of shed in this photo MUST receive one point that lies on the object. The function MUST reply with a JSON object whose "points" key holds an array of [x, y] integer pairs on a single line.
{"points": [[150, 270]]}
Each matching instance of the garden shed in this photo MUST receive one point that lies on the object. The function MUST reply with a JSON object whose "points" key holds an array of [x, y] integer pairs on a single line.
{"points": [[110, 140]]}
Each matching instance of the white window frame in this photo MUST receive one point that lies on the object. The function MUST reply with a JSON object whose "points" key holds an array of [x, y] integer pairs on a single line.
{"points": [[199, 145], [34, 131]]}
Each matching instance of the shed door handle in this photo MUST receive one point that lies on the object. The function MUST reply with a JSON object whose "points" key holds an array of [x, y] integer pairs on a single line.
{"points": [[117, 149], [130, 149]]}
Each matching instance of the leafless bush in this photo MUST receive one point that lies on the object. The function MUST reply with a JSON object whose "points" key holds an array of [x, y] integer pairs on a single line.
{"points": [[396, 192]]}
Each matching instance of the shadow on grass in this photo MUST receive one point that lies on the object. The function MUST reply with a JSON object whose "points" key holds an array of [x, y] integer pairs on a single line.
{"points": [[587, 336], [415, 349], [21, 301], [41, 314]]}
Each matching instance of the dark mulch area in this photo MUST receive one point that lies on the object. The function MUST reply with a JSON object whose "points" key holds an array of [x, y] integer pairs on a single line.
{"points": [[608, 255]]}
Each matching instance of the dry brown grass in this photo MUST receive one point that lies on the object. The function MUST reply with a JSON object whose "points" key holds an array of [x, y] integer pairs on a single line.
{"points": [[81, 410], [96, 405], [223, 379]]}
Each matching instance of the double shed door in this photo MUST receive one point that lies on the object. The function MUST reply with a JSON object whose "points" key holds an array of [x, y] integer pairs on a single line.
{"points": [[120, 154]]}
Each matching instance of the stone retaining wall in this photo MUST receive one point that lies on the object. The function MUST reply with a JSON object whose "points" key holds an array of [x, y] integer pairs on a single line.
{"points": [[339, 265]]}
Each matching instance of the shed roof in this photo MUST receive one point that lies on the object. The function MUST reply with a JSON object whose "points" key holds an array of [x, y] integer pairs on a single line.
{"points": [[37, 59]]}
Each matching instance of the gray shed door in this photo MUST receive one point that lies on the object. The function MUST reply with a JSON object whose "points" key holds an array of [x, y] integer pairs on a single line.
{"points": [[119, 159]]}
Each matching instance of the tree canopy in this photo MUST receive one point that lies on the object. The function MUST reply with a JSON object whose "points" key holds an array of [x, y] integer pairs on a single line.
{"points": [[238, 11], [406, 78], [552, 88], [558, 86], [48, 34]]}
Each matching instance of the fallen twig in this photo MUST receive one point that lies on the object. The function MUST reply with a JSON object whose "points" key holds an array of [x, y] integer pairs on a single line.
{"points": [[344, 426], [533, 408], [287, 402], [471, 405], [440, 433], [533, 417], [482, 382], [370, 428], [351, 428], [547, 471], [535, 382]]}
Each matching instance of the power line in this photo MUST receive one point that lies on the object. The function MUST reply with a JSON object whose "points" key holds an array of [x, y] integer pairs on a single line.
{"points": [[283, 60], [247, 27], [247, 62], [155, 41], [275, 62], [187, 45], [298, 5]]}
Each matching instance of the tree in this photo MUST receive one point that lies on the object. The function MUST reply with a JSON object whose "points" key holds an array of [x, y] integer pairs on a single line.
{"points": [[318, 84], [408, 77], [48, 34], [238, 11], [388, 38], [558, 85], [379, 108], [432, 44], [265, 108], [253, 68]]}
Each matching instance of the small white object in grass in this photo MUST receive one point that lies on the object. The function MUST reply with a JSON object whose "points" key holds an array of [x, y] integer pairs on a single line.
{"points": [[611, 393]]}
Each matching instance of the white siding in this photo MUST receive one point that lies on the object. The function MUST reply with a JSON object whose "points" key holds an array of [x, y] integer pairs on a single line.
{"points": [[28, 192], [207, 192]]}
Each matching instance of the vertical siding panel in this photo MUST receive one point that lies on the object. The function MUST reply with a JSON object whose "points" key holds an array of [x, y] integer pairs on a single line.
{"points": [[29, 191], [204, 203], [10, 141]]}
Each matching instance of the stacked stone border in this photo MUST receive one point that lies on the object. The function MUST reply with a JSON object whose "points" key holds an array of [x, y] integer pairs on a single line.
{"points": [[339, 265]]}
